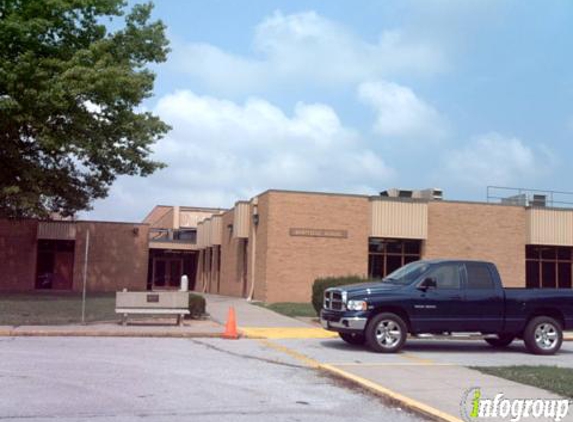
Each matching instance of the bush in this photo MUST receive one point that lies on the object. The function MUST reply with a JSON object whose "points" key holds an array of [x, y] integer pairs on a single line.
{"points": [[197, 305], [321, 284]]}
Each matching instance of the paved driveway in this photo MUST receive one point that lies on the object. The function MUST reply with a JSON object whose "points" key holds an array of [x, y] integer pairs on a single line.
{"points": [[123, 379]]}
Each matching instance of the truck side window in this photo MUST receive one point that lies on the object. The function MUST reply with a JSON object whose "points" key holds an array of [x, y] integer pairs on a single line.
{"points": [[447, 276], [479, 277]]}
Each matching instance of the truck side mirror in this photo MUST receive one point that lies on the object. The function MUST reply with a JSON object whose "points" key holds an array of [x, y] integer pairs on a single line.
{"points": [[428, 283]]}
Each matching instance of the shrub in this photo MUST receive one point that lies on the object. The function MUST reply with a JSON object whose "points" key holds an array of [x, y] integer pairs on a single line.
{"points": [[321, 284], [197, 305]]}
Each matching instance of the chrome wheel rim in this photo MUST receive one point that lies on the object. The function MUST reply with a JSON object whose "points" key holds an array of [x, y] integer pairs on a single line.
{"points": [[388, 333], [546, 336]]}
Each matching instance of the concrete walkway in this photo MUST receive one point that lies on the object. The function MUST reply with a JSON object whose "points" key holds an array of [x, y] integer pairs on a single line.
{"points": [[248, 315]]}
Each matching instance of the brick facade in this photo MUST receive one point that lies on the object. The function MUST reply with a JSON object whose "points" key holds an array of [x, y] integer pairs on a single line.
{"points": [[292, 263], [487, 232], [118, 256], [18, 254]]}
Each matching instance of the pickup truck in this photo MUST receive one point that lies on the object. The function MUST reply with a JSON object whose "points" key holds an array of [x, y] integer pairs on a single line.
{"points": [[444, 297]]}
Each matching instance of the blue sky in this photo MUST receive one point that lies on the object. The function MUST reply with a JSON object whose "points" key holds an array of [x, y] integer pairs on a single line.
{"points": [[357, 97]]}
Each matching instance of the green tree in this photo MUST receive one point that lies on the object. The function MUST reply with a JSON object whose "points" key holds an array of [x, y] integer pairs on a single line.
{"points": [[70, 88]]}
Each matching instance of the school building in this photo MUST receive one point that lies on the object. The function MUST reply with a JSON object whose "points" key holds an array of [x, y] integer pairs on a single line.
{"points": [[274, 245]]}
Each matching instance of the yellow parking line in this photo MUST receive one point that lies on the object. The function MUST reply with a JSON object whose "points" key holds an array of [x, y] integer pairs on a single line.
{"points": [[292, 353], [286, 332], [418, 359], [390, 364]]}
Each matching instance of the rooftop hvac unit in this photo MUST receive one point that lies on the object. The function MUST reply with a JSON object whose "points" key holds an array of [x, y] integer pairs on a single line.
{"points": [[520, 199], [432, 194], [538, 200]]}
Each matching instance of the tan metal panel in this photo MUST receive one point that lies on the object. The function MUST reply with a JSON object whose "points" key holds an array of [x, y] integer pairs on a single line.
{"points": [[549, 227], [56, 230], [190, 218], [200, 235], [216, 235], [242, 219], [207, 232], [400, 219]]}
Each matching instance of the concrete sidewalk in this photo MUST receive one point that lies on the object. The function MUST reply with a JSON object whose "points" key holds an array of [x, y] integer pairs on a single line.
{"points": [[248, 315], [439, 391]]}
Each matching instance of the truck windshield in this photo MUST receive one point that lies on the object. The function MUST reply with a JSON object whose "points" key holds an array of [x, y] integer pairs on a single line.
{"points": [[406, 274]]}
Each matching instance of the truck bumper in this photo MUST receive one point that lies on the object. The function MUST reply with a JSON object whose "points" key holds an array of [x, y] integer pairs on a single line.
{"points": [[342, 323]]}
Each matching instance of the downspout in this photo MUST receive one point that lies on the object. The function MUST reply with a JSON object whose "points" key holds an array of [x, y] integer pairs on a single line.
{"points": [[254, 224]]}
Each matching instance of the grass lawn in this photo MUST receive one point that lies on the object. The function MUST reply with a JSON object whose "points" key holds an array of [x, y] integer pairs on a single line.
{"points": [[551, 378], [290, 309], [55, 308]]}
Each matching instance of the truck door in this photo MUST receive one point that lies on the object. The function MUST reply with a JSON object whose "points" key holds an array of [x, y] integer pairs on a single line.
{"points": [[439, 309], [484, 310]]}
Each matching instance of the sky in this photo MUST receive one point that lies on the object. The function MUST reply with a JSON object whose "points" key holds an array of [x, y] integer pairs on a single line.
{"points": [[356, 97]]}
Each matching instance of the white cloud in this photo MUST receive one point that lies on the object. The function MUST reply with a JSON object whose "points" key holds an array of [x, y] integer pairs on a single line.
{"points": [[494, 159], [307, 47], [220, 151], [400, 113]]}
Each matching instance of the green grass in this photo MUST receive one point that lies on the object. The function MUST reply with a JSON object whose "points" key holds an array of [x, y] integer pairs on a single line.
{"points": [[551, 378], [55, 308], [291, 309]]}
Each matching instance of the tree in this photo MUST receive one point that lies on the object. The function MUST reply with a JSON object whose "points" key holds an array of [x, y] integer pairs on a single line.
{"points": [[69, 95]]}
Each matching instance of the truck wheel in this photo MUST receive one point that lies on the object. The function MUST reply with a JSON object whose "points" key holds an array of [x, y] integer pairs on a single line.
{"points": [[502, 340], [386, 333], [543, 336], [352, 338]]}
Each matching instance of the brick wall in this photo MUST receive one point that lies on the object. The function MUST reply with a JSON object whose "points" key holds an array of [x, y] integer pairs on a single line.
{"points": [[118, 256], [231, 259], [479, 231], [293, 262], [18, 255]]}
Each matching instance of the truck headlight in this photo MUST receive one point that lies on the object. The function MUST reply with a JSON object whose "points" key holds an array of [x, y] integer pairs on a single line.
{"points": [[356, 305]]}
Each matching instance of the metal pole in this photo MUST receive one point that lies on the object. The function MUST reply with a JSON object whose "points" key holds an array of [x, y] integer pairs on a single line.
{"points": [[85, 277]]}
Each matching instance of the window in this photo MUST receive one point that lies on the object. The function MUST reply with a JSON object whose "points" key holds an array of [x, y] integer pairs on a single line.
{"points": [[548, 267], [479, 276], [387, 255], [447, 276]]}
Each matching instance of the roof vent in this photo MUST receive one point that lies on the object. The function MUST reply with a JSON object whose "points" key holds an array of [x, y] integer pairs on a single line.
{"points": [[432, 194]]}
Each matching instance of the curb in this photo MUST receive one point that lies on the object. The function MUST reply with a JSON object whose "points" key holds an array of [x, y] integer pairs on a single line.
{"points": [[106, 334], [408, 403]]}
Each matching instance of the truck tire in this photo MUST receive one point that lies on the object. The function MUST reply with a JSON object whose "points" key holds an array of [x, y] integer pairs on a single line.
{"points": [[386, 333], [352, 338], [502, 340], [543, 336]]}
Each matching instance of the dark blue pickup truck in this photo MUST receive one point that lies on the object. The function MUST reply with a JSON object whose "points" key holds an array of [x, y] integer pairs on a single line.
{"points": [[444, 297]]}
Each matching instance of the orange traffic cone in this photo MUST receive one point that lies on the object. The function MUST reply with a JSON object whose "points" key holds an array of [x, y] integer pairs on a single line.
{"points": [[231, 326]]}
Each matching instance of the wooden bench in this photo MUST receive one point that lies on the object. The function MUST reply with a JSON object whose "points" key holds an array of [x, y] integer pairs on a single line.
{"points": [[152, 303]]}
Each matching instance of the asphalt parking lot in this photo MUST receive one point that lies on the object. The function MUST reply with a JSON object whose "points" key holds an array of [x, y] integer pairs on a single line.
{"points": [[130, 379]]}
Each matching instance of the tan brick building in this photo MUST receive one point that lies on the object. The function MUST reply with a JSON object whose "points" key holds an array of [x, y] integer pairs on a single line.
{"points": [[273, 246]]}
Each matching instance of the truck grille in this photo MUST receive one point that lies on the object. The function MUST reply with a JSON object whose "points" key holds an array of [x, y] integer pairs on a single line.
{"points": [[333, 300]]}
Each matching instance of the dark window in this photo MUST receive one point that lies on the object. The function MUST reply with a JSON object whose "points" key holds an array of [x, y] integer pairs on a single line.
{"points": [[387, 255], [447, 276], [479, 277], [532, 274], [564, 275], [548, 266]]}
